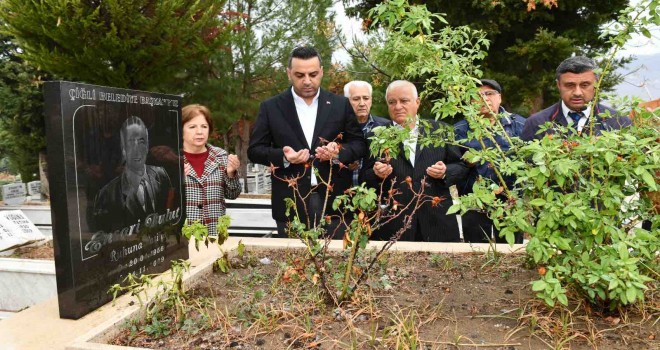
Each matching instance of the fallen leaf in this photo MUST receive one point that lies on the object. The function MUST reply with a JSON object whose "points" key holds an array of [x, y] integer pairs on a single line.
{"points": [[612, 320]]}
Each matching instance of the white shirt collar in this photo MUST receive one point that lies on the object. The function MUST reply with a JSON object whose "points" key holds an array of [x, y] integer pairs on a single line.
{"points": [[582, 122], [565, 110], [413, 130], [298, 99]]}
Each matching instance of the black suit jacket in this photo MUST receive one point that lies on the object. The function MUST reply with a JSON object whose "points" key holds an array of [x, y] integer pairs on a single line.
{"points": [[277, 126], [430, 223], [555, 115], [115, 211]]}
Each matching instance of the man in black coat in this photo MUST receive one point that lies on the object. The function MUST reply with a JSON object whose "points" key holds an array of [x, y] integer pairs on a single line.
{"points": [[576, 81], [288, 132], [441, 166]]}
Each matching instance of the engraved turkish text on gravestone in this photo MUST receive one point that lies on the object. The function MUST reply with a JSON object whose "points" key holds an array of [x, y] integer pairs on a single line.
{"points": [[34, 189], [116, 186], [14, 194], [16, 230]]}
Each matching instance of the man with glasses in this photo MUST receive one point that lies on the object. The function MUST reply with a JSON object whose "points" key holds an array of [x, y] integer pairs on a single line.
{"points": [[477, 227]]}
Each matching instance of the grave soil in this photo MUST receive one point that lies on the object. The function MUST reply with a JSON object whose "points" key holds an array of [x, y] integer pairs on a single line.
{"points": [[35, 251], [411, 301]]}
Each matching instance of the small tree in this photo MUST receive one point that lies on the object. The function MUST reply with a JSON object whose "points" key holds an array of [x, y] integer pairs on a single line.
{"points": [[21, 111], [143, 44], [573, 192], [136, 44]]}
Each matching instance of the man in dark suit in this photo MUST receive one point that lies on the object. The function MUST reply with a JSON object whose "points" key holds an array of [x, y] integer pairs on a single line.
{"points": [[359, 94], [288, 131], [141, 189], [576, 81], [441, 166]]}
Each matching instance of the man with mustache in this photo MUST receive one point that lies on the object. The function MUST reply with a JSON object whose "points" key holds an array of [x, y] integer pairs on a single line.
{"points": [[576, 82]]}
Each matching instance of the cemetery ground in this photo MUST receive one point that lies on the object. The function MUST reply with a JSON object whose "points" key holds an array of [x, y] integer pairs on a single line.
{"points": [[268, 299]]}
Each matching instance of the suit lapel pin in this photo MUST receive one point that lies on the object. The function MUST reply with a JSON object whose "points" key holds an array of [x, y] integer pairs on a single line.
{"points": [[327, 102]]}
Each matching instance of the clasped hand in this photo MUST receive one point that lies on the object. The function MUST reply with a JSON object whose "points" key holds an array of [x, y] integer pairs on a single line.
{"points": [[436, 171], [232, 165], [327, 152], [294, 157]]}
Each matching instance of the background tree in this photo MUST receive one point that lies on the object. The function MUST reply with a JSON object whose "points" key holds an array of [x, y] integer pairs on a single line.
{"points": [[527, 41], [137, 44], [251, 67], [21, 110]]}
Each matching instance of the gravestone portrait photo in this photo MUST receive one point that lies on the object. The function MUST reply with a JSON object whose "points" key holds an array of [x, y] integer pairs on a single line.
{"points": [[116, 188], [140, 191]]}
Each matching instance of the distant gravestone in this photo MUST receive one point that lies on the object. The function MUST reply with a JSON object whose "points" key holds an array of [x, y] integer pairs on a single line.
{"points": [[116, 188], [16, 229], [34, 189], [14, 194]]}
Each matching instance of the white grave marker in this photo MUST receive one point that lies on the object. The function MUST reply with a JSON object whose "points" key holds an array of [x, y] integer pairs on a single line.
{"points": [[34, 189], [16, 229], [14, 194]]}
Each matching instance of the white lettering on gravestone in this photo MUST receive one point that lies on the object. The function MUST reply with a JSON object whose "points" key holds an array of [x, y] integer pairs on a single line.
{"points": [[14, 194], [16, 229]]}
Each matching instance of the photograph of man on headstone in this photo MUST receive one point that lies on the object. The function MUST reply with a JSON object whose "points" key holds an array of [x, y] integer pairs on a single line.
{"points": [[140, 190]]}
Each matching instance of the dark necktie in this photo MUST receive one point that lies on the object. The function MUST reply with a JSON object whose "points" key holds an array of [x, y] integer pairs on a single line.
{"points": [[143, 196], [576, 116]]}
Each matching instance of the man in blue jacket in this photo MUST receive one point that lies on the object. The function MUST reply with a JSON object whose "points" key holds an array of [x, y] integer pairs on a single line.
{"points": [[477, 226], [576, 82]]}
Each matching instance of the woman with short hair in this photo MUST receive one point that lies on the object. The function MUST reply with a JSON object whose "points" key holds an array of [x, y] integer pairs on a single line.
{"points": [[211, 172]]}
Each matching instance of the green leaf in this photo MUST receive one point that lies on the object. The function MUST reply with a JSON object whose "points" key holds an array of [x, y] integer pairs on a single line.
{"points": [[241, 248], [649, 180], [562, 299], [613, 284], [455, 208], [537, 202], [539, 285], [645, 32], [631, 295], [610, 158]]}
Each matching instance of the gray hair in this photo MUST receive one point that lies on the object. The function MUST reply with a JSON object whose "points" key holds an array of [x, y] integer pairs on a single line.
{"points": [[398, 83], [576, 64], [356, 83]]}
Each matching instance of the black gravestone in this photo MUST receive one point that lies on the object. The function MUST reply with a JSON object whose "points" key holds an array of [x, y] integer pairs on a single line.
{"points": [[116, 188]]}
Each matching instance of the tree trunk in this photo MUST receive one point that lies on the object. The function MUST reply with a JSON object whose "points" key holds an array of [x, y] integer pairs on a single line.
{"points": [[537, 103], [43, 175], [244, 141]]}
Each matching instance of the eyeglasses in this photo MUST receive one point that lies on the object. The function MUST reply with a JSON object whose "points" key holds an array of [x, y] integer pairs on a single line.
{"points": [[489, 93]]}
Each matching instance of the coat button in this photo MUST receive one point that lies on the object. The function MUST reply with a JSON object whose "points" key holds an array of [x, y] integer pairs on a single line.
{"points": [[199, 206]]}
